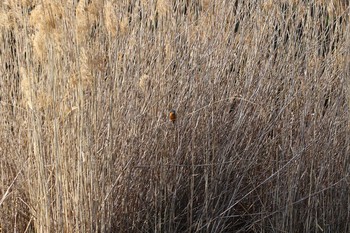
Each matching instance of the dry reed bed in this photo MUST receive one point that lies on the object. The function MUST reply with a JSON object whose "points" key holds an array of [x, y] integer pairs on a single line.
{"points": [[260, 144]]}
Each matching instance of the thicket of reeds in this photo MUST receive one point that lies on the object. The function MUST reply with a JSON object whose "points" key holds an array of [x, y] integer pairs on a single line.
{"points": [[261, 142]]}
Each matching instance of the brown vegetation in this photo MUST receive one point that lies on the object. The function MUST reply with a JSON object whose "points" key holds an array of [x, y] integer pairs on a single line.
{"points": [[261, 140]]}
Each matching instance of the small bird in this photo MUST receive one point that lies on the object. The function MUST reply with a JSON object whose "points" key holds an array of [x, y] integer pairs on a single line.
{"points": [[172, 116]]}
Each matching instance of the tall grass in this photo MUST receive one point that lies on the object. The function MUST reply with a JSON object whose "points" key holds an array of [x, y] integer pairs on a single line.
{"points": [[260, 144]]}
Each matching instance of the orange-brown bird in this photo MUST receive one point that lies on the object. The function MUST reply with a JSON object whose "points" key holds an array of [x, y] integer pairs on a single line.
{"points": [[172, 116]]}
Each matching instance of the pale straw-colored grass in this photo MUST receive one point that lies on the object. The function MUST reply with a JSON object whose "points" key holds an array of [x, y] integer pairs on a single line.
{"points": [[260, 143]]}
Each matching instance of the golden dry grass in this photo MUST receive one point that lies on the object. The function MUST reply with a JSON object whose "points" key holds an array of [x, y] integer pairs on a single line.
{"points": [[261, 91]]}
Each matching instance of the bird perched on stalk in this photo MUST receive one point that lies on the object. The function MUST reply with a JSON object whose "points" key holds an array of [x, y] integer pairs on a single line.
{"points": [[172, 116]]}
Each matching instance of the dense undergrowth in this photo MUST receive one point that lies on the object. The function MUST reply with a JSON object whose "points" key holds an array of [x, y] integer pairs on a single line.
{"points": [[260, 144]]}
